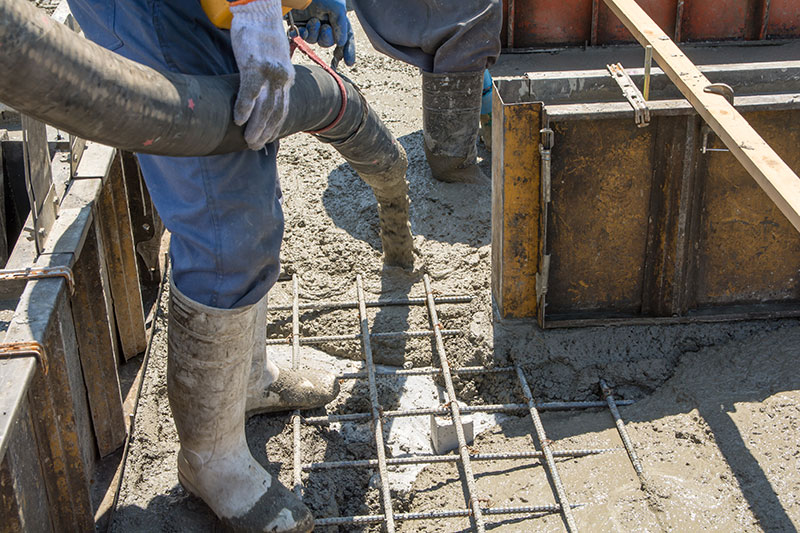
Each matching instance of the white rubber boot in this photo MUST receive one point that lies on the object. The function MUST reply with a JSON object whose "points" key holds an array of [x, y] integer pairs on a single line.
{"points": [[272, 389], [209, 362]]}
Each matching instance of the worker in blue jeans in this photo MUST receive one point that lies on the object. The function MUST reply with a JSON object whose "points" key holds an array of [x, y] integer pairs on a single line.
{"points": [[226, 222]]}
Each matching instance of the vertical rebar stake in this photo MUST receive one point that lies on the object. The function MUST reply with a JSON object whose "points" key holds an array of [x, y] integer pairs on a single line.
{"points": [[648, 63], [376, 410], [550, 463], [297, 468], [623, 433], [454, 409]]}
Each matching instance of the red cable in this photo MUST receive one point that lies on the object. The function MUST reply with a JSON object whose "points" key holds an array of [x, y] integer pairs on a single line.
{"points": [[297, 43]]}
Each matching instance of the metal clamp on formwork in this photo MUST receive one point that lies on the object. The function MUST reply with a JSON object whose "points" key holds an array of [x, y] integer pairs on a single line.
{"points": [[722, 89], [26, 274], [632, 93], [14, 350]]}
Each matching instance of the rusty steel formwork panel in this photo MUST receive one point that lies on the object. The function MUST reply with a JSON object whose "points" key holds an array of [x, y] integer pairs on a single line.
{"points": [[653, 224], [547, 23]]}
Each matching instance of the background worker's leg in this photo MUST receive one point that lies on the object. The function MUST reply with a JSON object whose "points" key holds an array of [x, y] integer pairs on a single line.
{"points": [[452, 42]]}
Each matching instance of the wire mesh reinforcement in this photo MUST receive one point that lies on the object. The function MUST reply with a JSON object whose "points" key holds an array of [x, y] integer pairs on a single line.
{"points": [[452, 409]]}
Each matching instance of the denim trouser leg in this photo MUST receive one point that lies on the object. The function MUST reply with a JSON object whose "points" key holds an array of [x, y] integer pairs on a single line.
{"points": [[222, 211]]}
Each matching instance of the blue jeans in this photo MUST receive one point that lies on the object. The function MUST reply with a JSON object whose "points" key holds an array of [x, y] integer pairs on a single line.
{"points": [[223, 211]]}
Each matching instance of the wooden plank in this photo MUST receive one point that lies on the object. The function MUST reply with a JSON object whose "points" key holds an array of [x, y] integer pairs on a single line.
{"points": [[97, 342], [115, 224], [61, 423], [39, 179], [10, 512], [3, 223], [773, 175], [516, 197], [23, 498], [147, 226]]}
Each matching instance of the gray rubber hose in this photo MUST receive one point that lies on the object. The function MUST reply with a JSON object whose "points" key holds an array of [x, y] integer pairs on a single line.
{"points": [[65, 80]]}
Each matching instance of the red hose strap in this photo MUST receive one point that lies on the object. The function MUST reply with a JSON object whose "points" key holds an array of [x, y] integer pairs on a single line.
{"points": [[297, 43]]}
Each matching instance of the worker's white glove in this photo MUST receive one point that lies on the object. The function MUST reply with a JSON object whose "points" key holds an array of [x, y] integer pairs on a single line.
{"points": [[266, 72]]}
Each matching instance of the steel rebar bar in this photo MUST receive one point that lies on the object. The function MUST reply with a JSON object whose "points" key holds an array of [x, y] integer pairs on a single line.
{"points": [[440, 411], [366, 345], [296, 419], [357, 336], [431, 459], [323, 306], [429, 371], [463, 450], [444, 513], [623, 433], [561, 494]]}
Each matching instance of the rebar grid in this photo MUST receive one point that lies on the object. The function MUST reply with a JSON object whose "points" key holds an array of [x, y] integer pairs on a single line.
{"points": [[378, 416], [463, 451], [366, 346]]}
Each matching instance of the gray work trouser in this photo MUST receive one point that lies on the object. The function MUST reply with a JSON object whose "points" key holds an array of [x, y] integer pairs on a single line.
{"points": [[435, 35]]}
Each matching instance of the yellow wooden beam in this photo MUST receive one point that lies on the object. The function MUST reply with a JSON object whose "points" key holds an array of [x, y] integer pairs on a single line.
{"points": [[773, 175]]}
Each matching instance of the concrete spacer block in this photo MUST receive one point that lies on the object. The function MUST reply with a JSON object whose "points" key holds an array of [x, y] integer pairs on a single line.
{"points": [[443, 432]]}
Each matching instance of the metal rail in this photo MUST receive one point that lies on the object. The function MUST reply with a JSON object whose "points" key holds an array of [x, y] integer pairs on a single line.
{"points": [[376, 417], [463, 451]]}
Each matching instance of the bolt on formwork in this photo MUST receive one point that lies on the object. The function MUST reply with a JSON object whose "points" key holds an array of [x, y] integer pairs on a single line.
{"points": [[474, 509]]}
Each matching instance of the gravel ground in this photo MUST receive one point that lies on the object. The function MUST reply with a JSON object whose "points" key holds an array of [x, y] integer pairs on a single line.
{"points": [[715, 424]]}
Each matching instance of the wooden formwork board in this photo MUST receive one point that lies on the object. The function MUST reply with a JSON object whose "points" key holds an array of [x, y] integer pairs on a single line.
{"points": [[78, 404], [643, 226]]}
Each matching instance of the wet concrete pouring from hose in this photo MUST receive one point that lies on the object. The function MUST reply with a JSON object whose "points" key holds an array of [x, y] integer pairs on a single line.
{"points": [[714, 424]]}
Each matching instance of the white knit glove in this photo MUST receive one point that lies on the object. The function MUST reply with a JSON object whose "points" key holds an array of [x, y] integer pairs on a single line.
{"points": [[266, 71]]}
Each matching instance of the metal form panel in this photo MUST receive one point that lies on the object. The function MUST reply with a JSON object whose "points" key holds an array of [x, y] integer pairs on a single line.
{"points": [[547, 23], [516, 192], [649, 224]]}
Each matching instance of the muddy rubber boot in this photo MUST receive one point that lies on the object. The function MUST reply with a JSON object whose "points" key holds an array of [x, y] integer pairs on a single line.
{"points": [[209, 363], [451, 108], [391, 190], [273, 389]]}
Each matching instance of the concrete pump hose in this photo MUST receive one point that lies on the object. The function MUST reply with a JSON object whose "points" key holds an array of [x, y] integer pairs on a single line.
{"points": [[58, 77]]}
